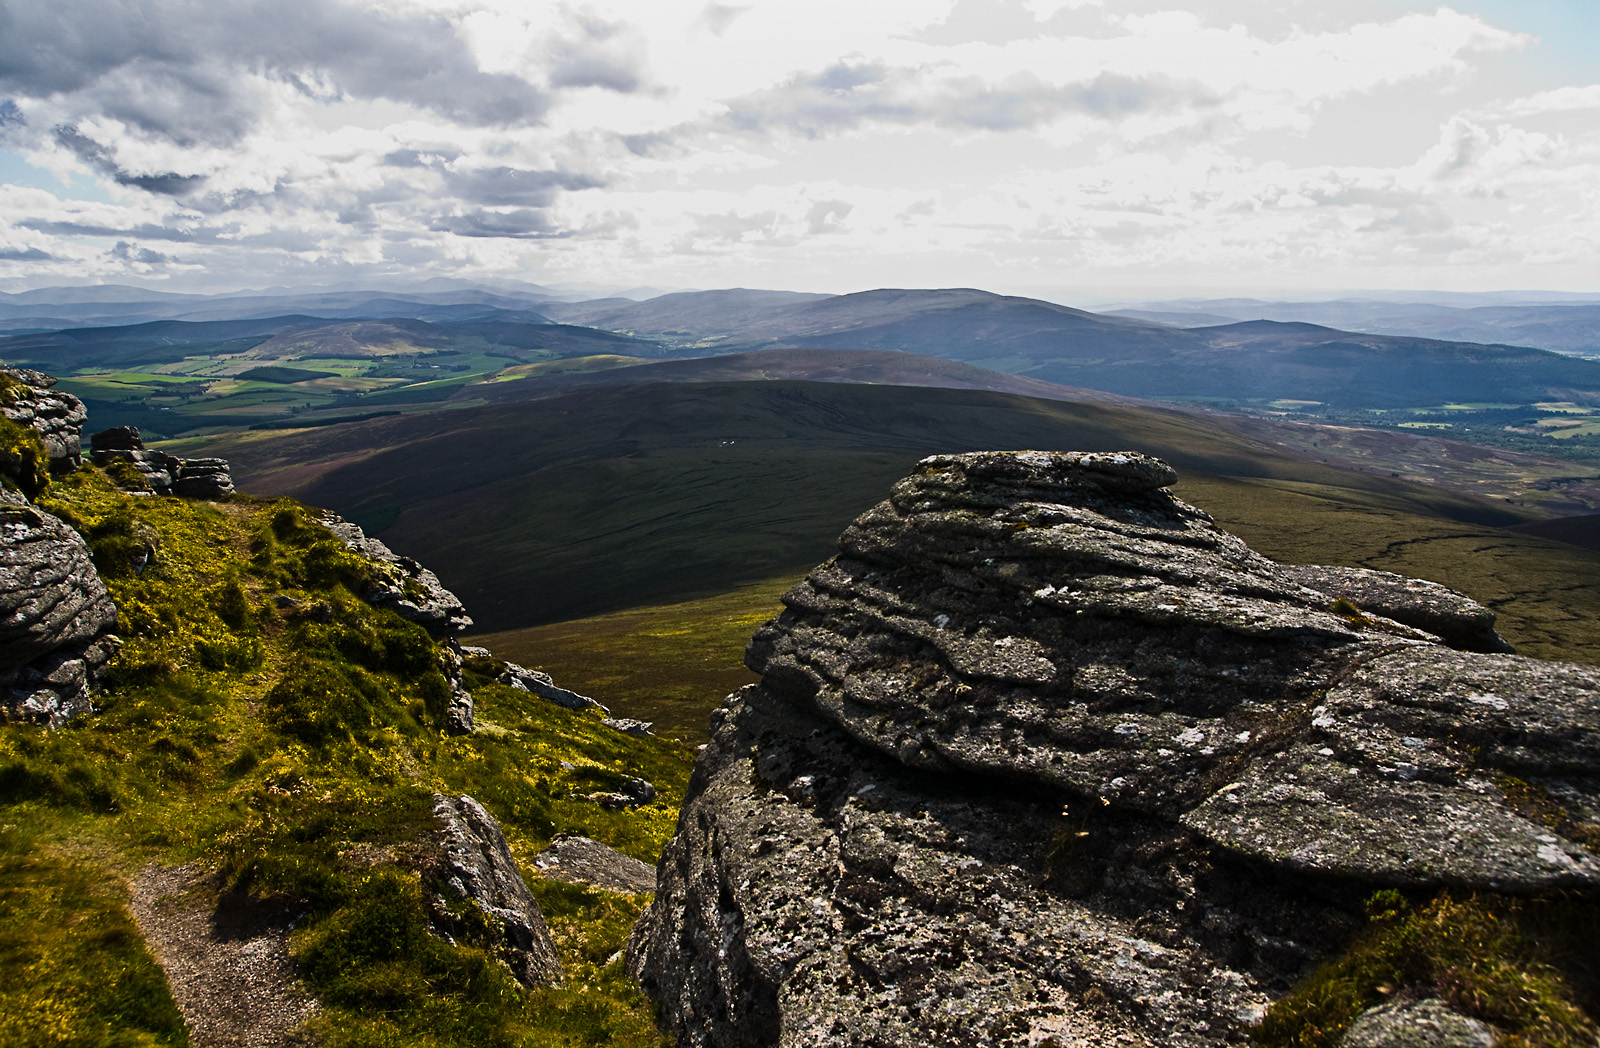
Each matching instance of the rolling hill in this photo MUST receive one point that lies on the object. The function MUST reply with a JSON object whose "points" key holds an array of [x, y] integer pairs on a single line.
{"points": [[1570, 325]]}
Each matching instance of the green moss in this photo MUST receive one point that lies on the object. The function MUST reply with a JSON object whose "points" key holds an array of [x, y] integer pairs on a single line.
{"points": [[23, 458], [1346, 609], [1534, 803], [1523, 966]]}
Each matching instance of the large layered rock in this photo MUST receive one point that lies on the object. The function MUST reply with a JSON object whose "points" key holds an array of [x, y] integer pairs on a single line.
{"points": [[31, 399], [1046, 754], [55, 616]]}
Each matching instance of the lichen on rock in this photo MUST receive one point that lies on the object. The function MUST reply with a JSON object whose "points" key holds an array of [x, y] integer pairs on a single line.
{"points": [[475, 868]]}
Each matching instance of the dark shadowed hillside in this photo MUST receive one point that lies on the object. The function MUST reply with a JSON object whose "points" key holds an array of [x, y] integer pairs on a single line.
{"points": [[870, 367], [613, 498]]}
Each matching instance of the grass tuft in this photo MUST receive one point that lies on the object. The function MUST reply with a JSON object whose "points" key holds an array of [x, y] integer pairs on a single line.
{"points": [[1522, 966]]}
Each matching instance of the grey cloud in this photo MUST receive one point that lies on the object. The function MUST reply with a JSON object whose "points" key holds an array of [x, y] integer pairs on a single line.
{"points": [[419, 157], [601, 54], [825, 216], [647, 143], [58, 227], [126, 252], [587, 70], [826, 101], [24, 254], [524, 224], [176, 69], [845, 96], [166, 183], [718, 17], [733, 226], [514, 187]]}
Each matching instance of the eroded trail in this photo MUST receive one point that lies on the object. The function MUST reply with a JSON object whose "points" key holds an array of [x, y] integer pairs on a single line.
{"points": [[228, 965]]}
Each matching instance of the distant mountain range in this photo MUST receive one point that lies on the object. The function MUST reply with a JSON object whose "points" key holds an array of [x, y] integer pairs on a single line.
{"points": [[1564, 325], [1120, 354], [53, 308], [1562, 322], [1258, 360]]}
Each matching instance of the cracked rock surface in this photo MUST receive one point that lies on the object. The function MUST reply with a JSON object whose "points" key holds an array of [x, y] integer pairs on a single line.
{"points": [[1045, 753], [55, 616], [56, 416], [410, 589]]}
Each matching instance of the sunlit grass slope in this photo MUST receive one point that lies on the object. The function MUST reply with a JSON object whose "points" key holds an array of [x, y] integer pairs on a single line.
{"points": [[669, 663], [292, 748]]}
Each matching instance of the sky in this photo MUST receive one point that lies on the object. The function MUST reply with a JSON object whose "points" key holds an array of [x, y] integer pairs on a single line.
{"points": [[1060, 148]]}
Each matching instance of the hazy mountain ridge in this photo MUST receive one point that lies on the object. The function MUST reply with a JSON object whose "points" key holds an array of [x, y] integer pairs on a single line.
{"points": [[1565, 326], [1119, 354]]}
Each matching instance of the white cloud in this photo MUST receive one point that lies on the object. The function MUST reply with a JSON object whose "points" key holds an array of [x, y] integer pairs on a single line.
{"points": [[1571, 99], [1044, 10], [768, 140]]}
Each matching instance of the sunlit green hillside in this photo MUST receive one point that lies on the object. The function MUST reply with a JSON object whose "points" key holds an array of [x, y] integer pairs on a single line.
{"points": [[263, 725]]}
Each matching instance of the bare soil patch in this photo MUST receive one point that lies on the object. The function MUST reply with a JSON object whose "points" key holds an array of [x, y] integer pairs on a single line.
{"points": [[227, 960]]}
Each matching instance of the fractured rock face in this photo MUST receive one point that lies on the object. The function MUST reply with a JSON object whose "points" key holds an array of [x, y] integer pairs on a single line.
{"points": [[164, 474], [476, 867], [580, 860], [1045, 753], [57, 417], [541, 684], [55, 616]]}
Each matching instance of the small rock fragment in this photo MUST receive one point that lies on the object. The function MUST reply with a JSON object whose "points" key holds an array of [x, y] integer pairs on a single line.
{"points": [[1428, 1023], [584, 861]]}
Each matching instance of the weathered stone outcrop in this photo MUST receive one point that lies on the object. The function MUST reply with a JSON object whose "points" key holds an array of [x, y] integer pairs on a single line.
{"points": [[161, 473], [541, 684], [55, 616], [406, 586], [1429, 1023], [30, 399], [1046, 754], [417, 595], [475, 867]]}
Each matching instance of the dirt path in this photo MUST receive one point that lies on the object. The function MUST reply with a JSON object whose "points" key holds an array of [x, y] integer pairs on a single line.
{"points": [[228, 965]]}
